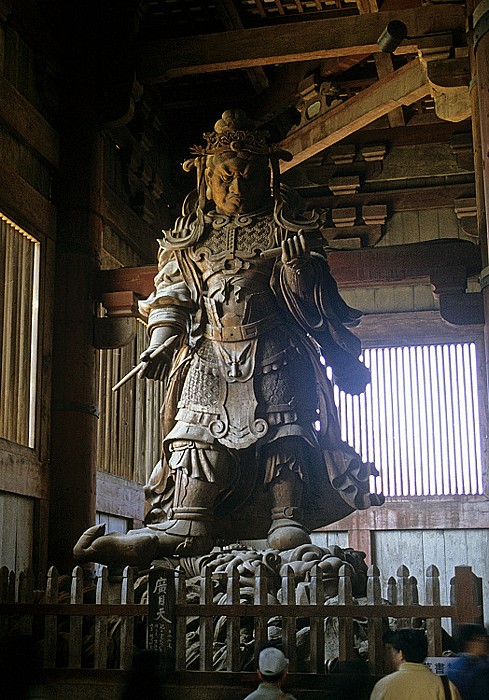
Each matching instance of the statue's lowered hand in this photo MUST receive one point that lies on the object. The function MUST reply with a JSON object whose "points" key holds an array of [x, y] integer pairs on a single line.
{"points": [[155, 359]]}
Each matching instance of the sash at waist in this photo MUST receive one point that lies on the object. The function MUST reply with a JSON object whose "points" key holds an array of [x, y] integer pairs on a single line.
{"points": [[230, 334]]}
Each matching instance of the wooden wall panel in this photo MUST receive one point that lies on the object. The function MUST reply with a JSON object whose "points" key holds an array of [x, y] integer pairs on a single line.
{"points": [[446, 549], [395, 299], [328, 539], [423, 225], [16, 531]]}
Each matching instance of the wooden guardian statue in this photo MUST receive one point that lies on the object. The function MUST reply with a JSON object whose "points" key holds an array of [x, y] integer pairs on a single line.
{"points": [[251, 440]]}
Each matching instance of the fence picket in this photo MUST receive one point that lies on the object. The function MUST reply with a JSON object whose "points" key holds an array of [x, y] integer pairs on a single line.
{"points": [[375, 624], [4, 579], [403, 593], [181, 623], [466, 594], [345, 624], [391, 590], [101, 641], [26, 595], [206, 628], [260, 598], [127, 623], [433, 625], [233, 625], [51, 621], [317, 623], [289, 623], [11, 587], [76, 621], [413, 597]]}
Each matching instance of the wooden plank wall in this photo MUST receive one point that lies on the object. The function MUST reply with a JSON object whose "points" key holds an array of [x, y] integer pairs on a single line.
{"points": [[16, 531], [443, 548]]}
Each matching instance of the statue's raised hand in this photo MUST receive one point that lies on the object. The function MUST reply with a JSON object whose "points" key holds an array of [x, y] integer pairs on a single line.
{"points": [[157, 355], [296, 252]]}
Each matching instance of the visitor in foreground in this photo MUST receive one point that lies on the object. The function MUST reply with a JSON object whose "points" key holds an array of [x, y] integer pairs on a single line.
{"points": [[412, 680], [470, 672], [272, 672]]}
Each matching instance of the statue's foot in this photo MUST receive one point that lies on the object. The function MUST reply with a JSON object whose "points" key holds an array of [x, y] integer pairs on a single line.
{"points": [[286, 534], [140, 547], [136, 548]]}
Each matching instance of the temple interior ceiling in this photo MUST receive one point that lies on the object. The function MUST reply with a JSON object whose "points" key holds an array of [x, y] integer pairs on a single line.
{"points": [[310, 71]]}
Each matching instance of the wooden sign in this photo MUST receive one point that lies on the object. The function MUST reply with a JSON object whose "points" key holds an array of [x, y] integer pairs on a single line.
{"points": [[161, 615]]}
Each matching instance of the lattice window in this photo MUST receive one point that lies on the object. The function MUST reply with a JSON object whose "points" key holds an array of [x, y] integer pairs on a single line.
{"points": [[418, 420], [129, 435], [19, 323]]}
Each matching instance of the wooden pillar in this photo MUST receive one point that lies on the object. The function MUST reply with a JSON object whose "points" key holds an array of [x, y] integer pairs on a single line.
{"points": [[96, 92], [75, 413], [480, 70]]}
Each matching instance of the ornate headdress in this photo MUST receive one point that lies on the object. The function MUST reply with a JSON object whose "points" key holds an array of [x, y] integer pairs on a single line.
{"points": [[235, 132]]}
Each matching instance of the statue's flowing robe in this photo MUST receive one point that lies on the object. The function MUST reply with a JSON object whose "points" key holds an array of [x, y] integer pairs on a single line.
{"points": [[292, 319]]}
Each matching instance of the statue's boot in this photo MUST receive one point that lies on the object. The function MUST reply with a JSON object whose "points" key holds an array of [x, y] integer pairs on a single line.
{"points": [[287, 530], [188, 532]]}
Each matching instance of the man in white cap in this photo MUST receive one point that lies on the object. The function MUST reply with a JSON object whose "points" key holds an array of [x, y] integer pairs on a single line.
{"points": [[272, 672]]}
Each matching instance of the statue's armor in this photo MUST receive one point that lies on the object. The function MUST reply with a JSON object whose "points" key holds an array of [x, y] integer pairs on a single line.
{"points": [[254, 403], [248, 380]]}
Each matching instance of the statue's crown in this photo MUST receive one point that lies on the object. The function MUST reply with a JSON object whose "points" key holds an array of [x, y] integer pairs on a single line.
{"points": [[234, 131]]}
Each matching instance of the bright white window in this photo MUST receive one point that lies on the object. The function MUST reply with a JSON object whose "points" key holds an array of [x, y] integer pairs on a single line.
{"points": [[19, 325], [418, 421]]}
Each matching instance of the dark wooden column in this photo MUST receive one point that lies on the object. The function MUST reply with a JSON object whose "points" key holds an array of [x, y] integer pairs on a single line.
{"points": [[96, 92], [480, 21], [75, 413]]}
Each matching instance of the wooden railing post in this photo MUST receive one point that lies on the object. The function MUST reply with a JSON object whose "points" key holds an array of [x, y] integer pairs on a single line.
{"points": [[466, 594], [233, 624], [127, 623], [433, 625], [51, 621], [206, 628], [76, 621], [345, 624], [4, 598], [181, 622], [413, 598], [403, 593], [26, 595], [375, 626], [317, 623], [260, 598], [289, 623], [101, 640]]}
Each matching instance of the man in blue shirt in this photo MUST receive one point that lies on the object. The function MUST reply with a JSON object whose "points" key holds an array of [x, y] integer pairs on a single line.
{"points": [[470, 672]]}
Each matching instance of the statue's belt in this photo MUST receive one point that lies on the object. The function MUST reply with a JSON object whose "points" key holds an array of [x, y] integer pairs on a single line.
{"points": [[230, 334]]}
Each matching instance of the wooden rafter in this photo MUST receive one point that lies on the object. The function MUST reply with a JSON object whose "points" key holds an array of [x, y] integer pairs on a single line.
{"points": [[161, 60], [384, 66], [403, 87]]}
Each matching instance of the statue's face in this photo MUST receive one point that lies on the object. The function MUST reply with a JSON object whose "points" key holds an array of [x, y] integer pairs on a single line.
{"points": [[238, 185]]}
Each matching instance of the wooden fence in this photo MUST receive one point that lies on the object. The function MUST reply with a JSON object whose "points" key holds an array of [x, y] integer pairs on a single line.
{"points": [[78, 625]]}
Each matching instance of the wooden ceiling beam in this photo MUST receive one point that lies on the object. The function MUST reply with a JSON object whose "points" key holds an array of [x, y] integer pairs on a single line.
{"points": [[229, 15], [402, 87], [161, 60]]}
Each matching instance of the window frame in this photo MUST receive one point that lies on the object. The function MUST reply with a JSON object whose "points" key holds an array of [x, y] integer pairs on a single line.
{"points": [[407, 329]]}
